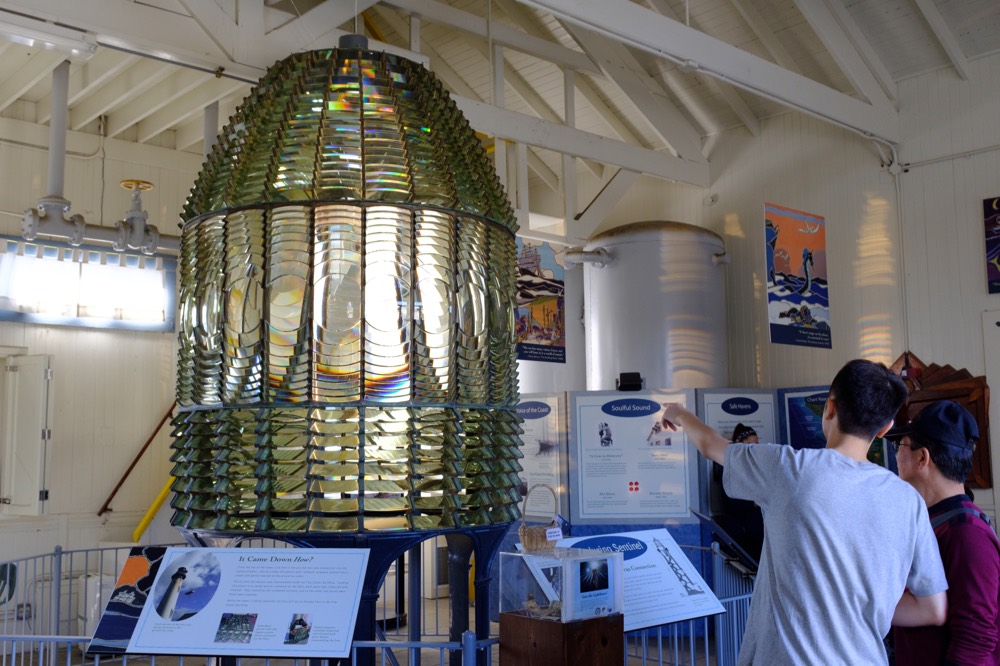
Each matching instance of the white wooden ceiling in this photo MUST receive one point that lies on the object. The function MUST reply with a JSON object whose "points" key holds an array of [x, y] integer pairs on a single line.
{"points": [[651, 80]]}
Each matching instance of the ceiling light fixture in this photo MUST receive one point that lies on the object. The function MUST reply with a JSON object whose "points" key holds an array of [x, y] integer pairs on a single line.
{"points": [[77, 44]]}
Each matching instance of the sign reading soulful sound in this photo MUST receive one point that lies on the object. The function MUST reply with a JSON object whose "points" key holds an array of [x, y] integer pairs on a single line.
{"points": [[628, 467], [798, 303], [991, 222], [540, 328]]}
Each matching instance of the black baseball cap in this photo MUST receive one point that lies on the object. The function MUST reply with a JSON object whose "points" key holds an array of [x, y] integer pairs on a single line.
{"points": [[945, 423]]}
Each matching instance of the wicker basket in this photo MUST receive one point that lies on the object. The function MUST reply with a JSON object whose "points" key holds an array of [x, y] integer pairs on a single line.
{"points": [[534, 538]]}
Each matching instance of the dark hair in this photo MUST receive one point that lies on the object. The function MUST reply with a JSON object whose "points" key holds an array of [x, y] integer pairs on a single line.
{"points": [[954, 467], [868, 396], [742, 432]]}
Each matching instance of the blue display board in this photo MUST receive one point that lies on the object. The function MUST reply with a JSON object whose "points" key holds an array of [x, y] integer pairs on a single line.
{"points": [[802, 416]]}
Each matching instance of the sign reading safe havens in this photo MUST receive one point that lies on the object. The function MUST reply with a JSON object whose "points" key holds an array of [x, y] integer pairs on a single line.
{"points": [[260, 602]]}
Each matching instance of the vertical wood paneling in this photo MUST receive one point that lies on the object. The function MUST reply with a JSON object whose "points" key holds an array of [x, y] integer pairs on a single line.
{"points": [[951, 139]]}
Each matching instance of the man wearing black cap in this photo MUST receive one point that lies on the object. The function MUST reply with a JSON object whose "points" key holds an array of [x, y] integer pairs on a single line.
{"points": [[934, 453]]}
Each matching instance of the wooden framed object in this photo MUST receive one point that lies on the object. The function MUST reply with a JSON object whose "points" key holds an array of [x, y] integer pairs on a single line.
{"points": [[928, 383]]}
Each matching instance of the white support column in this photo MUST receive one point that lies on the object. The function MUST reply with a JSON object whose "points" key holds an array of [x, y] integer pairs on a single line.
{"points": [[568, 161], [211, 128], [522, 184], [496, 93], [415, 33]]}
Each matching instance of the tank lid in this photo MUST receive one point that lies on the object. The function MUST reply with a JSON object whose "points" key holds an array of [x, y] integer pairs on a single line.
{"points": [[637, 231]]}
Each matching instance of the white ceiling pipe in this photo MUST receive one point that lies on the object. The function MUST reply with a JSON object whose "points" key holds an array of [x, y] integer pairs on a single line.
{"points": [[57, 129], [53, 207], [52, 210], [598, 257]]}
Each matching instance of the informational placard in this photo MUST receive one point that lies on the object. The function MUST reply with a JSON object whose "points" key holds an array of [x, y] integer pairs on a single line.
{"points": [[724, 409], [299, 603], [625, 466], [661, 583], [802, 416], [543, 450]]}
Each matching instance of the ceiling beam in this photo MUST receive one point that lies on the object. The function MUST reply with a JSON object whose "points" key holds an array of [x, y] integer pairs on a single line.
{"points": [[945, 36], [497, 32], [824, 23], [454, 81], [763, 32], [528, 95], [128, 85], [173, 87], [644, 29], [522, 17], [726, 92], [622, 70], [179, 38], [84, 78], [532, 131], [191, 105], [864, 46], [190, 132], [39, 66]]}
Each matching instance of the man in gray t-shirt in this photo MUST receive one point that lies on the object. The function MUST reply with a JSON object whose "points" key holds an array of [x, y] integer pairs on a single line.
{"points": [[843, 538]]}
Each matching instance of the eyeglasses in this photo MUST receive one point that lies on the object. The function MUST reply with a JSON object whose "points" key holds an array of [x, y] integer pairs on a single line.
{"points": [[896, 443]]}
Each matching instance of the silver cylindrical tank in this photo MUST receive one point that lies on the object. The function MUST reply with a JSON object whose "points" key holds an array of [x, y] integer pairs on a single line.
{"points": [[658, 307]]}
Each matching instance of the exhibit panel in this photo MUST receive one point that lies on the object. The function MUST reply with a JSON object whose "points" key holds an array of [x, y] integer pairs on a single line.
{"points": [[625, 466]]}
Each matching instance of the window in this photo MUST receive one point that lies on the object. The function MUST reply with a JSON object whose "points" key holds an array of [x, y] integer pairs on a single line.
{"points": [[48, 282]]}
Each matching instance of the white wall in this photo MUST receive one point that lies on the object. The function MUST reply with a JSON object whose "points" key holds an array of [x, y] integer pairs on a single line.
{"points": [[951, 139], [111, 388]]}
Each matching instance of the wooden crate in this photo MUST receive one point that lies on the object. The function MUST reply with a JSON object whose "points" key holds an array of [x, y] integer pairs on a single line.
{"points": [[528, 641]]}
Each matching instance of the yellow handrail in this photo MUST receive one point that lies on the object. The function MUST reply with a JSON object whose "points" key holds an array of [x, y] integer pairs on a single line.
{"points": [[151, 513]]}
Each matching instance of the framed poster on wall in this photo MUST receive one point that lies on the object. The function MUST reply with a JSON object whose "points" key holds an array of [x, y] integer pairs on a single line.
{"points": [[798, 302], [625, 467]]}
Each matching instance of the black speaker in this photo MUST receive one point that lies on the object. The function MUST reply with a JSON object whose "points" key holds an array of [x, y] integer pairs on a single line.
{"points": [[629, 381]]}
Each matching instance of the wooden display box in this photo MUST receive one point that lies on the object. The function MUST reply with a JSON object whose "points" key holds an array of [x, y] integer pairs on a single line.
{"points": [[529, 641]]}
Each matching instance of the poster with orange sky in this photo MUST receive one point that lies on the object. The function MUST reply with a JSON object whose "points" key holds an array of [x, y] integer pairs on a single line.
{"points": [[798, 303]]}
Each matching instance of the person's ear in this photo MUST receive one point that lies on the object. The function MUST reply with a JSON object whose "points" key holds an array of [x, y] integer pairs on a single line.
{"points": [[829, 408], [886, 428], [923, 457]]}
